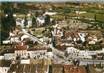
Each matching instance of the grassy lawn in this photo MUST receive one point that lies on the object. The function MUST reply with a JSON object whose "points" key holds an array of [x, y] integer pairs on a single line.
{"points": [[100, 17], [58, 17], [38, 31], [87, 15]]}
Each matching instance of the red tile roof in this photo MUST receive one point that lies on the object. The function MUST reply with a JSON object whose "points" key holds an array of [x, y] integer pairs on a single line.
{"points": [[20, 47], [74, 69]]}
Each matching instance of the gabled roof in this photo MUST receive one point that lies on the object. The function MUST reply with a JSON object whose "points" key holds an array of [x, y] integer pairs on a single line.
{"points": [[20, 47]]}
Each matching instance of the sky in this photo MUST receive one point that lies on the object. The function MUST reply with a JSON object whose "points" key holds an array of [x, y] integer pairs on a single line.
{"points": [[101, 1]]}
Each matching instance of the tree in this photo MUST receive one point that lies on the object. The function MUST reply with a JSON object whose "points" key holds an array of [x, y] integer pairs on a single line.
{"points": [[8, 22], [47, 19], [33, 21], [95, 17], [50, 69]]}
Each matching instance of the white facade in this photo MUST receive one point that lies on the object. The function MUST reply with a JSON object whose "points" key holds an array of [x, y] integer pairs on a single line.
{"points": [[71, 50], [22, 53], [40, 20], [92, 39], [50, 54], [9, 56], [50, 13], [29, 23], [25, 61], [4, 69], [24, 37], [32, 54], [6, 41], [82, 36], [1, 57]]}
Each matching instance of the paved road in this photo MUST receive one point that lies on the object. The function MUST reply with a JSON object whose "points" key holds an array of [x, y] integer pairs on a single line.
{"points": [[85, 62], [32, 37]]}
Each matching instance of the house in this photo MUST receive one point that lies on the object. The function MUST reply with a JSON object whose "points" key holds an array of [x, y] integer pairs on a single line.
{"points": [[74, 69], [21, 50], [57, 31], [50, 13], [80, 12], [92, 39], [37, 53], [78, 53], [1, 57], [50, 54], [6, 42], [29, 22], [71, 50], [40, 20], [84, 54], [82, 36], [24, 37], [27, 61], [4, 69], [18, 21], [13, 38], [9, 56], [4, 66], [22, 23]]}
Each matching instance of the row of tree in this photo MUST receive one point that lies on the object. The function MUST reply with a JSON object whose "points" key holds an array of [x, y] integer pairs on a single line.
{"points": [[8, 22]]}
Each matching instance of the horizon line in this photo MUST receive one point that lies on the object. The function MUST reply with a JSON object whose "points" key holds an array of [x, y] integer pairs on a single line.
{"points": [[54, 1]]}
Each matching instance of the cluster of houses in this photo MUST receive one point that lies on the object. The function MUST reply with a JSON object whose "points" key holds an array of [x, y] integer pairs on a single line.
{"points": [[72, 40], [75, 36], [21, 51], [74, 53], [15, 36], [60, 37], [32, 20], [20, 44], [25, 56]]}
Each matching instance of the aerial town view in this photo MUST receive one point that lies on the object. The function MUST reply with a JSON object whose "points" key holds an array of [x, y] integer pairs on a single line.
{"points": [[51, 37]]}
